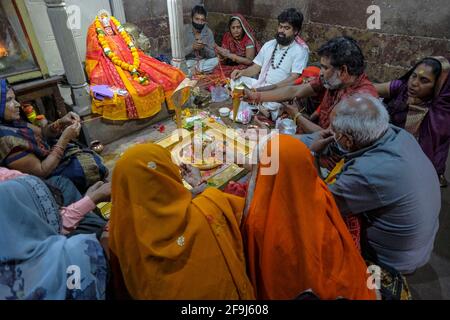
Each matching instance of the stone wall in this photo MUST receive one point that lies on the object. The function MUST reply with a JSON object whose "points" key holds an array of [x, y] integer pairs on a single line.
{"points": [[410, 29], [152, 17]]}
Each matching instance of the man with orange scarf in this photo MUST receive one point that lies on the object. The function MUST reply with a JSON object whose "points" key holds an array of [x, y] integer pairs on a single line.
{"points": [[112, 59]]}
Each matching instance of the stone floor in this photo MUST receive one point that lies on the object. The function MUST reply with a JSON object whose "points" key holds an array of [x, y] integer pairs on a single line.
{"points": [[430, 282], [433, 280]]}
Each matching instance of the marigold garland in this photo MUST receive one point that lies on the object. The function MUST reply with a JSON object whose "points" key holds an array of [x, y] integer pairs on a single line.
{"points": [[134, 68]]}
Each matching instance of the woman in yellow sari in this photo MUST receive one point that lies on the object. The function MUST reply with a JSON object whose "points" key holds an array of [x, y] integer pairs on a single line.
{"points": [[112, 59], [166, 245]]}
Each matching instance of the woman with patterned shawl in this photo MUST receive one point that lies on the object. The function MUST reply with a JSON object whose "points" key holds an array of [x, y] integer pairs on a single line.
{"points": [[36, 261], [110, 59], [420, 103], [30, 149], [76, 211], [239, 46], [165, 244]]}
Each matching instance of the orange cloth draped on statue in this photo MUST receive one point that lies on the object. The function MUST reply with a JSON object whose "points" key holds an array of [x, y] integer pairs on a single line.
{"points": [[143, 101], [294, 234], [168, 245]]}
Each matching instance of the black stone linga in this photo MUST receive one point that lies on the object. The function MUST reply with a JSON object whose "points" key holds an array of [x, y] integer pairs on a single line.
{"points": [[272, 60]]}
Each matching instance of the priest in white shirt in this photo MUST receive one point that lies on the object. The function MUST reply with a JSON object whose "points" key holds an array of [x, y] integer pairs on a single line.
{"points": [[280, 60]]}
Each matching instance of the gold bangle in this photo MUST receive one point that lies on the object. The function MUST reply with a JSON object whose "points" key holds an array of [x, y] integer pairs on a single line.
{"points": [[298, 114]]}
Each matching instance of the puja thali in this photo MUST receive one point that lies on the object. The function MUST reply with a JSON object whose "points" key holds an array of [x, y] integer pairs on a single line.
{"points": [[207, 151]]}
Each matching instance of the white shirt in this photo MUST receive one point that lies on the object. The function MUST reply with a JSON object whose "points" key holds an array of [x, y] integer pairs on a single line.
{"points": [[295, 61]]}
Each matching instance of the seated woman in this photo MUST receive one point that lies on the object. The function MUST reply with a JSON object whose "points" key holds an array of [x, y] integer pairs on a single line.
{"points": [[75, 211], [166, 245], [112, 59], [294, 235], [37, 262], [26, 147], [420, 103], [239, 46]]}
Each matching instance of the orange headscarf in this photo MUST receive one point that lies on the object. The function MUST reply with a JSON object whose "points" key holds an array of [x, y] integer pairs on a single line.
{"points": [[295, 237], [168, 245]]}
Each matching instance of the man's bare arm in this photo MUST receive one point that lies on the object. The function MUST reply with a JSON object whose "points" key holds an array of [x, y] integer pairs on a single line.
{"points": [[290, 81], [306, 125], [286, 93], [383, 89], [251, 71]]}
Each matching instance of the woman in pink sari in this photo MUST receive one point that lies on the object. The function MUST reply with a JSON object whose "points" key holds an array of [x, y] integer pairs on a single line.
{"points": [[239, 46]]}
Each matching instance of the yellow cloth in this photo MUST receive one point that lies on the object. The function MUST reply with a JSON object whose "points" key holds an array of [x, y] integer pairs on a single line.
{"points": [[166, 245]]}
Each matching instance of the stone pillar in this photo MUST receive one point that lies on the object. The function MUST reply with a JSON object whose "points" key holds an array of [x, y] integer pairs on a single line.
{"points": [[73, 67], [118, 10], [175, 10]]}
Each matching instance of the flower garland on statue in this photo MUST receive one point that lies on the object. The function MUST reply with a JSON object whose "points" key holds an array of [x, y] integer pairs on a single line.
{"points": [[134, 68]]}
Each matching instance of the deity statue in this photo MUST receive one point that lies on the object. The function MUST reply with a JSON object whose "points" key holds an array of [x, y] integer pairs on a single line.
{"points": [[141, 84]]}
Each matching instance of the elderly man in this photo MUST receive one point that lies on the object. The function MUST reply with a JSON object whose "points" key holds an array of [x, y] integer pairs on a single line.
{"points": [[387, 179], [341, 74], [199, 43], [280, 61]]}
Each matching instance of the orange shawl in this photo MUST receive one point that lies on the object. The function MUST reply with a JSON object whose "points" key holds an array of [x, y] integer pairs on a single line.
{"points": [[167, 245], [295, 237]]}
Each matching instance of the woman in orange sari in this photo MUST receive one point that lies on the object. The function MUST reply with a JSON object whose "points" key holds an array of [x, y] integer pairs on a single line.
{"points": [[239, 46], [110, 59], [166, 245], [294, 235]]}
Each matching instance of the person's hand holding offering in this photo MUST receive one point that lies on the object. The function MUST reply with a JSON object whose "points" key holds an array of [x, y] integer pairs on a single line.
{"points": [[99, 192], [191, 175], [198, 45], [69, 119], [71, 132], [322, 141], [291, 109], [236, 74]]}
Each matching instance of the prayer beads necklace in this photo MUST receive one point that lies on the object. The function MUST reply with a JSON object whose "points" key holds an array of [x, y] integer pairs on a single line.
{"points": [[272, 60]]}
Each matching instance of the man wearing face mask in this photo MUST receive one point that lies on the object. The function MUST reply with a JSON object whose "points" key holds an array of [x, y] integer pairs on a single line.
{"points": [[199, 43], [386, 179], [280, 61], [342, 74]]}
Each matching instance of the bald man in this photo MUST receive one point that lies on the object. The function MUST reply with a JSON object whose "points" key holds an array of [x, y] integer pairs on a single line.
{"points": [[387, 179]]}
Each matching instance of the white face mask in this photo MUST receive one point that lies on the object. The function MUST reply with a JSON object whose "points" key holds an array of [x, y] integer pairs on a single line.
{"points": [[343, 151], [333, 83]]}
